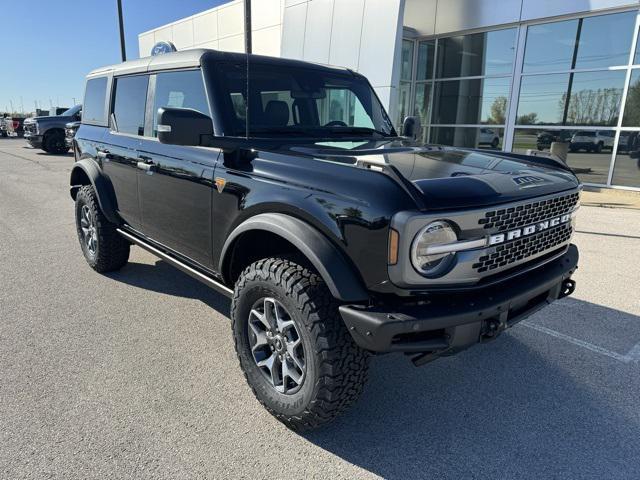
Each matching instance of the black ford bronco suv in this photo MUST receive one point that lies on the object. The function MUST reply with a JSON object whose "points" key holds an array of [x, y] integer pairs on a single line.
{"points": [[283, 185]]}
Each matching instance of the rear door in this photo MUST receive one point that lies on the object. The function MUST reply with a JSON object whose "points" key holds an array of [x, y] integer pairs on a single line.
{"points": [[176, 189], [120, 151]]}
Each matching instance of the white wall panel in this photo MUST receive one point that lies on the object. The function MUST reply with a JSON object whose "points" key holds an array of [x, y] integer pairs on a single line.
{"points": [[381, 32], [145, 44], [230, 19], [183, 34], [235, 43], [210, 44], [346, 31], [163, 34], [317, 38], [205, 27], [265, 13], [293, 28], [421, 15], [267, 41], [455, 15]]}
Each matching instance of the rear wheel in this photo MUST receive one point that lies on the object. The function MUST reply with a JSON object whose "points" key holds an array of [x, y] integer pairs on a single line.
{"points": [[53, 142], [293, 347], [103, 247]]}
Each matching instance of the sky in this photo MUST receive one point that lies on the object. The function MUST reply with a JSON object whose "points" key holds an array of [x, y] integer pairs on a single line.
{"points": [[49, 46]]}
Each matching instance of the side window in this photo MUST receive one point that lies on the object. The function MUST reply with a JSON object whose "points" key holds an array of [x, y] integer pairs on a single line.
{"points": [[129, 104], [179, 90], [94, 97]]}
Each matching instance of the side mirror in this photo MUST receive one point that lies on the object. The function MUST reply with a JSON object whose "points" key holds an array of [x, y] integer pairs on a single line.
{"points": [[183, 126], [411, 127]]}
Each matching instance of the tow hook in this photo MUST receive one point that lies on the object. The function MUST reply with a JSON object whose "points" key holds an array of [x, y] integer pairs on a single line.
{"points": [[491, 329], [568, 287]]}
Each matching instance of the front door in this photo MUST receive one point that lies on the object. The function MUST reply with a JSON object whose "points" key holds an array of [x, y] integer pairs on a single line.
{"points": [[177, 186]]}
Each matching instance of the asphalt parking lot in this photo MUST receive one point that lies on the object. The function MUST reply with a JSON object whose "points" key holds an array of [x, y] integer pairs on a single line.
{"points": [[133, 374]]}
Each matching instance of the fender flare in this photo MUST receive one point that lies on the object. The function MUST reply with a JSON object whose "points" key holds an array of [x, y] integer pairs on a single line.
{"points": [[340, 276], [101, 185]]}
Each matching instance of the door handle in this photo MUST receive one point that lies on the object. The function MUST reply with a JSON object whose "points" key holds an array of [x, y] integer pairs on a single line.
{"points": [[147, 167]]}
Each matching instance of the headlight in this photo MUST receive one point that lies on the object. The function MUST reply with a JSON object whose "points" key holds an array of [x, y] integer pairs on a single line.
{"points": [[432, 264]]}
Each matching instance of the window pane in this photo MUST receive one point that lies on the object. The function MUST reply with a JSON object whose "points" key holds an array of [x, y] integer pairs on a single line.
{"points": [[423, 95], [404, 94], [340, 105], [626, 171], [605, 40], [588, 152], [94, 97], [407, 60], [179, 90], [131, 99], [631, 116], [594, 98], [471, 101], [469, 137], [426, 51], [550, 46], [488, 53]]}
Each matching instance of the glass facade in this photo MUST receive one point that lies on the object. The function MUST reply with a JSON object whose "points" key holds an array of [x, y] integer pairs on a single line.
{"points": [[569, 87]]}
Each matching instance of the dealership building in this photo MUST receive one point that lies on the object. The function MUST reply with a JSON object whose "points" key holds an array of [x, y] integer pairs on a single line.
{"points": [[514, 75]]}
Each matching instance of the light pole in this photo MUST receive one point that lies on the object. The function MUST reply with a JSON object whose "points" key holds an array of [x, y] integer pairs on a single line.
{"points": [[123, 50]]}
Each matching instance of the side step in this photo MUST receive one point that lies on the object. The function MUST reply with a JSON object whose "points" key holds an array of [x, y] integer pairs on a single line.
{"points": [[192, 272]]}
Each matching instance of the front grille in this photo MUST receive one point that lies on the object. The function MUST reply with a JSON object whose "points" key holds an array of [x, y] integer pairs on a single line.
{"points": [[525, 247], [528, 214]]}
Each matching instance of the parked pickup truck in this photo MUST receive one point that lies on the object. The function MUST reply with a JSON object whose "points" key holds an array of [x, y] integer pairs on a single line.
{"points": [[47, 133], [334, 237]]}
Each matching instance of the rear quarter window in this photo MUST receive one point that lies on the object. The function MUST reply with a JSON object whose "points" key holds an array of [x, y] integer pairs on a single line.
{"points": [[93, 110]]}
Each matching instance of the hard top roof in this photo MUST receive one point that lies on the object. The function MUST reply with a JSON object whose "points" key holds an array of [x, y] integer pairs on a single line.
{"points": [[194, 58]]}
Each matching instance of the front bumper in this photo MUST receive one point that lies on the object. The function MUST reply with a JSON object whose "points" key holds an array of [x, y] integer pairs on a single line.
{"points": [[446, 323], [34, 140]]}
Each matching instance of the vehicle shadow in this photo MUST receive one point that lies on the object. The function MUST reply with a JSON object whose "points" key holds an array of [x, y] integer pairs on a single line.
{"points": [[499, 410], [163, 278]]}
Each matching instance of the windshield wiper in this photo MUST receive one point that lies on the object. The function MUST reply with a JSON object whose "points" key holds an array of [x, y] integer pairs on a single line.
{"points": [[351, 130], [284, 131]]}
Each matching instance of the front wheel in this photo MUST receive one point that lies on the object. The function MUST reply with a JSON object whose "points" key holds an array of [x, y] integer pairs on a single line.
{"points": [[293, 347], [54, 143]]}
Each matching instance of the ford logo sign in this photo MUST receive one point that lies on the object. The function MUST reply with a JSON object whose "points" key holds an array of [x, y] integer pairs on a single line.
{"points": [[163, 47]]}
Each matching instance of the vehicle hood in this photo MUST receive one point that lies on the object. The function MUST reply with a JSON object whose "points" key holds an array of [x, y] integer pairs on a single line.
{"points": [[50, 119], [448, 177]]}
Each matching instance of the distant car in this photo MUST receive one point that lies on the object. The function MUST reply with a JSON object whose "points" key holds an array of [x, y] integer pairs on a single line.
{"points": [[70, 130], [48, 133], [6, 124], [592, 140], [488, 136], [546, 138]]}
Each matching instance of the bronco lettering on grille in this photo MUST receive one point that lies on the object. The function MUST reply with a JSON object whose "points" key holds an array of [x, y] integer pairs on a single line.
{"points": [[529, 230]]}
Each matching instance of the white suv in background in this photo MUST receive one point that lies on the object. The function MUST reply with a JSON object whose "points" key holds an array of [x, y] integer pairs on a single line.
{"points": [[592, 140]]}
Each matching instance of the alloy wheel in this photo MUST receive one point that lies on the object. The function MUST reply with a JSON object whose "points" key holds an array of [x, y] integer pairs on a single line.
{"points": [[276, 346], [89, 230]]}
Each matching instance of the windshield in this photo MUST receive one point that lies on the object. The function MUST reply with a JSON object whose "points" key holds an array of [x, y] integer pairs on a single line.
{"points": [[72, 111], [298, 101]]}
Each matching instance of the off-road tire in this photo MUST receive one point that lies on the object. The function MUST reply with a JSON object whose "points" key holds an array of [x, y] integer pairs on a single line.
{"points": [[111, 250], [336, 368], [54, 143]]}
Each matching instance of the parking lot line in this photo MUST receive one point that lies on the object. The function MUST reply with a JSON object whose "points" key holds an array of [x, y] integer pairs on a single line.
{"points": [[632, 356]]}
